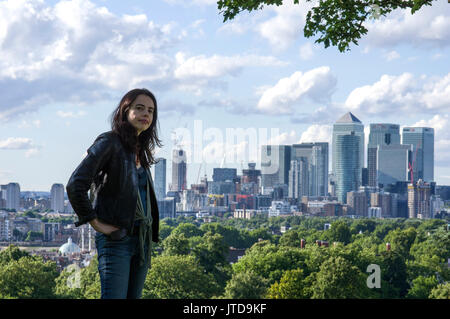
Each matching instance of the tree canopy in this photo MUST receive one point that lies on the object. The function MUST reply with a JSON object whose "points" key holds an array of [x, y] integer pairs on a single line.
{"points": [[336, 22]]}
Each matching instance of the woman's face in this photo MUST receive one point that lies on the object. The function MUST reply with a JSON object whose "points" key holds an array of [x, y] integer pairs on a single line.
{"points": [[140, 113]]}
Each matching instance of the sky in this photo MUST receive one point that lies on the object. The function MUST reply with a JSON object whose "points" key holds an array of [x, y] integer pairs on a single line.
{"points": [[223, 89]]}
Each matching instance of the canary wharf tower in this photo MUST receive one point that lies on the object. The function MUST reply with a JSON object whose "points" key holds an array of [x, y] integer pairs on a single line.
{"points": [[348, 154]]}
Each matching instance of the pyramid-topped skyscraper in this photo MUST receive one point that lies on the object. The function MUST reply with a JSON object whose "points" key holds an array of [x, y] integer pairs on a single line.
{"points": [[348, 154], [348, 118]]}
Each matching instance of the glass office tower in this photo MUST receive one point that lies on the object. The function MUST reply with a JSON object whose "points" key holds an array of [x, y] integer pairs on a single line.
{"points": [[347, 150], [380, 134], [348, 157], [422, 158], [160, 178], [275, 164]]}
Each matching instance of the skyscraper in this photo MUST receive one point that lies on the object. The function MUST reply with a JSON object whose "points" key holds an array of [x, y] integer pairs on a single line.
{"points": [[422, 161], [347, 164], [160, 178], [419, 196], [57, 198], [380, 134], [178, 170], [275, 162], [224, 174], [13, 196], [348, 154], [344, 126], [316, 157], [298, 178], [392, 163]]}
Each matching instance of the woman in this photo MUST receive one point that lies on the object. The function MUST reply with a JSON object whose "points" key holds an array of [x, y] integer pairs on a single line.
{"points": [[124, 212]]}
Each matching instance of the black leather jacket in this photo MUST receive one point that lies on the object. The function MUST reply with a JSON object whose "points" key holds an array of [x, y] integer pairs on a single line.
{"points": [[112, 170]]}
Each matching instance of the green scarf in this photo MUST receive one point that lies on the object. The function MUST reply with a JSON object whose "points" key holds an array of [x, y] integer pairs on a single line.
{"points": [[145, 227]]}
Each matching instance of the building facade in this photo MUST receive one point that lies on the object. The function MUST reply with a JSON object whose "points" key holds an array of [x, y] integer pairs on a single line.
{"points": [[13, 196], [275, 165], [345, 126], [347, 164], [160, 178], [57, 198], [419, 197], [422, 161], [392, 164], [381, 134], [178, 170]]}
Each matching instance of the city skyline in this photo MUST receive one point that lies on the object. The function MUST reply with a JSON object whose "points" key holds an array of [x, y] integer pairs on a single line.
{"points": [[316, 154], [387, 150], [66, 64]]}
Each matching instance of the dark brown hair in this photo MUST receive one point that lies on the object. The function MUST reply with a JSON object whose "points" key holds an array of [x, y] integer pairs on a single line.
{"points": [[145, 143]]}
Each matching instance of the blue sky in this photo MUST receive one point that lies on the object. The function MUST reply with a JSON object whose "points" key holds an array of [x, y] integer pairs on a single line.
{"points": [[64, 65]]}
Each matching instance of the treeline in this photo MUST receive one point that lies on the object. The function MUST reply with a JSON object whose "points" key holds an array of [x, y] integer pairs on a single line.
{"points": [[191, 261]]}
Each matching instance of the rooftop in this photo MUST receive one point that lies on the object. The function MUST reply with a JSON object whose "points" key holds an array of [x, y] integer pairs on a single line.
{"points": [[348, 118]]}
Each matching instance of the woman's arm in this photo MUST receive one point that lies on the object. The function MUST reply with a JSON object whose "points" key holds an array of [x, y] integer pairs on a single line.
{"points": [[81, 179]]}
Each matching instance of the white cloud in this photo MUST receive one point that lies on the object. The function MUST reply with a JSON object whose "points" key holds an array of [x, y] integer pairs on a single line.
{"points": [[218, 66], [317, 133], [192, 2], [403, 95], [430, 26], [197, 72], [60, 52], [70, 114], [16, 143], [306, 51], [236, 26], [317, 85], [29, 124], [286, 26], [286, 138], [392, 55]]}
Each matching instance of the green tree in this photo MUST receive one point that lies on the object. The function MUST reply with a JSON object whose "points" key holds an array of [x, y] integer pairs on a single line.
{"points": [[188, 229], [165, 230], [63, 289], [211, 254], [178, 277], [32, 236], [291, 238], [339, 232], [422, 287], [442, 291], [28, 277], [176, 244], [90, 280], [269, 261], [337, 279], [338, 22], [364, 225], [291, 286], [394, 275], [401, 240], [85, 286], [231, 235], [12, 253], [246, 285]]}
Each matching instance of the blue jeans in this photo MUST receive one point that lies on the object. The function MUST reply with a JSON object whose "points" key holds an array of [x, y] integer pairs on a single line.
{"points": [[121, 276]]}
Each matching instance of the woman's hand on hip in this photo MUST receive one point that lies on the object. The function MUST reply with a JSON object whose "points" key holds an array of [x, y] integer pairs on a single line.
{"points": [[102, 227]]}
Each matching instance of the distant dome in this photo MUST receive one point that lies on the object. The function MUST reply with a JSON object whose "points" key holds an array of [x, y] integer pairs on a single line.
{"points": [[69, 247]]}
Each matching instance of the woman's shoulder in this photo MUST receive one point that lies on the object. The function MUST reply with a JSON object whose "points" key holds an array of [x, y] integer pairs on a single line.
{"points": [[110, 136]]}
